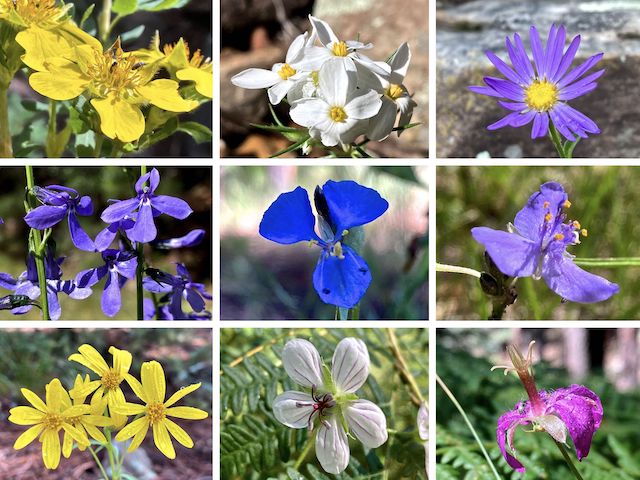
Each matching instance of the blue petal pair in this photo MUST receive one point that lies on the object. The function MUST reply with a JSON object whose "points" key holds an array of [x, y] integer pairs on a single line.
{"points": [[341, 277]]}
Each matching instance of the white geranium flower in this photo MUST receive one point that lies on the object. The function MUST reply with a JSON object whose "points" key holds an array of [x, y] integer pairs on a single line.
{"points": [[282, 77], [338, 107], [331, 405], [394, 95]]}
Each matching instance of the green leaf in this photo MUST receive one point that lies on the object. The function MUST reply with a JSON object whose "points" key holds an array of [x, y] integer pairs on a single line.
{"points": [[87, 13], [132, 35], [157, 5], [124, 7], [200, 133]]}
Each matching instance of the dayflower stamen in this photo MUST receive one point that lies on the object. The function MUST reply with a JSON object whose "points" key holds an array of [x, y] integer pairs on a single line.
{"points": [[340, 49], [337, 251], [541, 95], [566, 204], [584, 232], [338, 115], [286, 71]]}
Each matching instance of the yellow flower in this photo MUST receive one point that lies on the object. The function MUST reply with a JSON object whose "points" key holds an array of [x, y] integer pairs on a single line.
{"points": [[86, 423], [46, 29], [178, 61], [118, 82], [110, 377], [152, 391], [47, 420]]}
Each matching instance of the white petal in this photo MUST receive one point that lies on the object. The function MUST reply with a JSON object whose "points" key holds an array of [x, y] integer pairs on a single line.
{"points": [[302, 362], [423, 422], [330, 132], [293, 409], [255, 78], [406, 105], [379, 68], [296, 49], [279, 90], [364, 106], [356, 128], [309, 112], [323, 31], [355, 45], [313, 59], [332, 447], [382, 124], [350, 364], [400, 63], [367, 422], [335, 82]]}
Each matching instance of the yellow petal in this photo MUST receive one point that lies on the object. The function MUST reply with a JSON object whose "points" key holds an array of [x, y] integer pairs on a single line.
{"points": [[50, 449], [128, 409], [202, 78], [41, 45], [57, 397], [162, 440], [119, 119], [34, 399], [67, 445], [153, 382], [189, 413], [84, 56], [139, 436], [181, 393], [27, 437], [136, 386], [90, 358], [133, 428], [178, 433], [25, 416], [76, 36], [178, 56], [121, 360], [95, 433], [79, 435], [163, 93]]}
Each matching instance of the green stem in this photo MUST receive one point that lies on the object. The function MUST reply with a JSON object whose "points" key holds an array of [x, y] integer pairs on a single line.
{"points": [[97, 149], [557, 141], [6, 150], [104, 21], [567, 459], [403, 368], [36, 247], [612, 262], [355, 312], [441, 267], [115, 22], [305, 451], [109, 448], [98, 463], [469, 424], [51, 132], [140, 268]]}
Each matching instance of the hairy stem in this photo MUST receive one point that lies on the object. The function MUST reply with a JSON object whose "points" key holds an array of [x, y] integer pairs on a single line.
{"points": [[305, 451], [567, 458], [403, 368], [140, 268], [98, 463], [36, 246], [441, 267], [6, 150]]}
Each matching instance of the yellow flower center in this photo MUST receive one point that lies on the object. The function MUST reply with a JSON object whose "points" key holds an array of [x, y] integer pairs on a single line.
{"points": [[34, 11], [340, 49], [541, 95], [338, 115], [111, 380], [156, 412], [394, 91], [115, 71], [286, 71], [52, 421]]}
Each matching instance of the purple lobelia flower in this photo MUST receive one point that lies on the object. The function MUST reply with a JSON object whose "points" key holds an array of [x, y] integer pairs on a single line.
{"points": [[178, 287], [144, 207], [106, 237], [191, 239], [341, 276], [536, 245], [59, 202], [540, 95], [119, 266], [574, 409]]}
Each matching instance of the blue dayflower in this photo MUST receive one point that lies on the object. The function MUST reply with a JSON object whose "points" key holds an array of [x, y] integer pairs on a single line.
{"points": [[536, 246], [341, 276]]}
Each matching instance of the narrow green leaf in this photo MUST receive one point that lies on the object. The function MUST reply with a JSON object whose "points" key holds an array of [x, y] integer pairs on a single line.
{"points": [[124, 7], [87, 13], [200, 133]]}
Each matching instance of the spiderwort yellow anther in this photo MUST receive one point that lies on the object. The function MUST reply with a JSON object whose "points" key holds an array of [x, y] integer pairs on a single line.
{"points": [[559, 236], [584, 232], [548, 217], [566, 204]]}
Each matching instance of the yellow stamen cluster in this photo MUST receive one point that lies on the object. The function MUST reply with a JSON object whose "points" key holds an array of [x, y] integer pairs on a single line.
{"points": [[337, 251], [115, 71], [52, 421], [541, 95], [111, 379], [548, 217], [34, 11], [394, 91], [286, 71], [338, 115], [156, 412], [340, 49]]}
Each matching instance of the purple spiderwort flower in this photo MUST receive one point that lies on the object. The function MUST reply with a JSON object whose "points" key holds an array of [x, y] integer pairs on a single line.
{"points": [[575, 409], [341, 276], [191, 239], [119, 266], [59, 202], [536, 245], [540, 95], [178, 287], [144, 207]]}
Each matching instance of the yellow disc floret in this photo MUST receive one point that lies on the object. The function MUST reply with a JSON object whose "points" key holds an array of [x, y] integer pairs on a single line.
{"points": [[541, 95], [340, 49], [394, 91], [111, 379], [156, 412], [338, 115], [286, 71]]}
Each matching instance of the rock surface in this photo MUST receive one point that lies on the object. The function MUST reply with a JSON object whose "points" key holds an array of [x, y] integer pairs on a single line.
{"points": [[466, 30]]}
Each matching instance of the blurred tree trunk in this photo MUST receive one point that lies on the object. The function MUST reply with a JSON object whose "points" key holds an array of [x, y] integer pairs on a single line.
{"points": [[576, 356], [627, 343]]}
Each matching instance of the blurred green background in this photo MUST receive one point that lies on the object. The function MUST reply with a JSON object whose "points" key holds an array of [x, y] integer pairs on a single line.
{"points": [[192, 184], [605, 361], [264, 280], [256, 446], [602, 199]]}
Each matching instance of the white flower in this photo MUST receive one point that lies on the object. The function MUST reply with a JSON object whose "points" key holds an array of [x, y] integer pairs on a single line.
{"points": [[338, 107], [394, 95], [331, 399], [423, 431], [282, 77]]}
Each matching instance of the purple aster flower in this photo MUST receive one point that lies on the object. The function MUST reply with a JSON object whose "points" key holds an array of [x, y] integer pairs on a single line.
{"points": [[540, 95], [59, 202], [178, 287], [536, 245], [144, 207], [575, 409], [191, 239], [120, 266], [341, 276]]}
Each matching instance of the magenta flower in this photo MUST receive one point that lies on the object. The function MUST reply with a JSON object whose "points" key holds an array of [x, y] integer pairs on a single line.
{"points": [[536, 245], [540, 95]]}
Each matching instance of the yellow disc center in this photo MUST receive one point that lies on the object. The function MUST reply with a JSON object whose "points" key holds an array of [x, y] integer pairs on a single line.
{"points": [[156, 412], [52, 421], [286, 71], [338, 115], [541, 95], [340, 49], [394, 91], [111, 379]]}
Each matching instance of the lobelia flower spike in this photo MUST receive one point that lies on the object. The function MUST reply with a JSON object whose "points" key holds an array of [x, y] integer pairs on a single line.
{"points": [[144, 207], [575, 409], [152, 392], [331, 407], [536, 245], [341, 276], [47, 419], [59, 202], [120, 266], [540, 95]]}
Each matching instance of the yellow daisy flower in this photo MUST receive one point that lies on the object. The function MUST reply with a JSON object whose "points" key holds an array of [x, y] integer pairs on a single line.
{"points": [[152, 391], [89, 423], [47, 420], [110, 377], [118, 84], [45, 29]]}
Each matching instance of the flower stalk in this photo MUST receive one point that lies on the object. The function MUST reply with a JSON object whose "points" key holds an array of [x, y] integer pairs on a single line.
{"points": [[567, 459], [305, 451], [6, 150]]}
